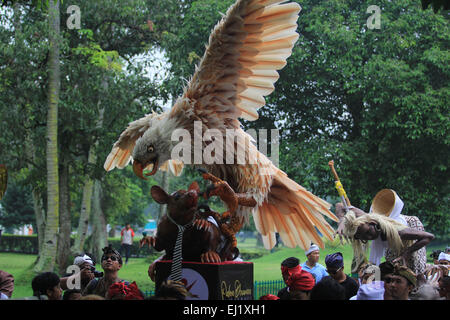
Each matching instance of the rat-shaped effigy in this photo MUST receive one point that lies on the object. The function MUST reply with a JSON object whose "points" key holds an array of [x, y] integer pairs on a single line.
{"points": [[206, 236]]}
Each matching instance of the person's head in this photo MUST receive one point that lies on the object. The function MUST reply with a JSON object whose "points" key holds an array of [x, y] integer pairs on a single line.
{"points": [[6, 283], [127, 226], [171, 290], [435, 256], [300, 285], [444, 287], [47, 283], [373, 290], [313, 254], [121, 291], [400, 283], [444, 258], [335, 265], [111, 260], [327, 289], [72, 294], [386, 269], [368, 273], [369, 227], [289, 266], [83, 261]]}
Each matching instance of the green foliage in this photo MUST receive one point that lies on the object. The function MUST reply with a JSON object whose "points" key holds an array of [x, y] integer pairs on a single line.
{"points": [[125, 198], [17, 206]]}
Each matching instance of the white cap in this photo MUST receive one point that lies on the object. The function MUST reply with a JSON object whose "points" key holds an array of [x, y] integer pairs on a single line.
{"points": [[444, 256], [82, 259], [311, 249]]}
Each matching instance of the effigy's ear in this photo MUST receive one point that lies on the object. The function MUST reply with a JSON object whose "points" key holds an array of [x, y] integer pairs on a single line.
{"points": [[194, 186], [159, 195]]}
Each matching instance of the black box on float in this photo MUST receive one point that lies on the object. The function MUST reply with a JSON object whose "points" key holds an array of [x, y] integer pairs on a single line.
{"points": [[212, 281]]}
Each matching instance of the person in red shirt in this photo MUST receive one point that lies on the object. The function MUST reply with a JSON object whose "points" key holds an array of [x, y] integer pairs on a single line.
{"points": [[126, 240]]}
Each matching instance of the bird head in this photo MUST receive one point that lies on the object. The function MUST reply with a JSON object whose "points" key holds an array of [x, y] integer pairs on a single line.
{"points": [[153, 148]]}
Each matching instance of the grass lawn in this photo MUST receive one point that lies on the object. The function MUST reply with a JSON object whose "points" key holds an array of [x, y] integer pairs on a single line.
{"points": [[266, 267]]}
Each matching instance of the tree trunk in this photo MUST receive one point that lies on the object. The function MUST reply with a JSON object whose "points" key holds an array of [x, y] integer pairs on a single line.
{"points": [[48, 254], [64, 220], [85, 212], [99, 238], [87, 196], [39, 212], [38, 206]]}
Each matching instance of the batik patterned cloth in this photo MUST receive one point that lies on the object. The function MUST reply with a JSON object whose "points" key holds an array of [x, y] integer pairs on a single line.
{"points": [[417, 261]]}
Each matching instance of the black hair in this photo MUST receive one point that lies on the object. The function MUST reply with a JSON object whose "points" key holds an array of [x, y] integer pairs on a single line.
{"points": [[385, 269], [435, 254], [43, 282], [171, 289], [290, 262], [110, 250], [328, 289], [69, 292]]}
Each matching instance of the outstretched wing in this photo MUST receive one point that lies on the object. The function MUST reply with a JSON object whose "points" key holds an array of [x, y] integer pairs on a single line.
{"points": [[239, 67]]}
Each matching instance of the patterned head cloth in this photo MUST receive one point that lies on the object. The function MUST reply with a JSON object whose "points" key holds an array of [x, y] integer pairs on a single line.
{"points": [[121, 291], [405, 272], [334, 260], [110, 250], [289, 266], [302, 280]]}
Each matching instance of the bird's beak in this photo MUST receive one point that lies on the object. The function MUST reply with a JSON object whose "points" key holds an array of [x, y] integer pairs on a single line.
{"points": [[138, 169], [154, 169]]}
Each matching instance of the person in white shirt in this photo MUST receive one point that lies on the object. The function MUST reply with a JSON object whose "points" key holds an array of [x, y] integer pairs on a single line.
{"points": [[126, 240]]}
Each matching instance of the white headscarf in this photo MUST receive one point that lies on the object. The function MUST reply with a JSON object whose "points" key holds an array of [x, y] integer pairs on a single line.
{"points": [[444, 256], [311, 249], [371, 291], [378, 248]]}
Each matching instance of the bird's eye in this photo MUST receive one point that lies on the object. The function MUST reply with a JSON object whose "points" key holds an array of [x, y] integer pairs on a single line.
{"points": [[150, 148]]}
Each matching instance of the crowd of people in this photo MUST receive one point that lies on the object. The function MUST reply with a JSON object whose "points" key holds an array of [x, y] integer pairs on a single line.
{"points": [[307, 281], [387, 281], [406, 278]]}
